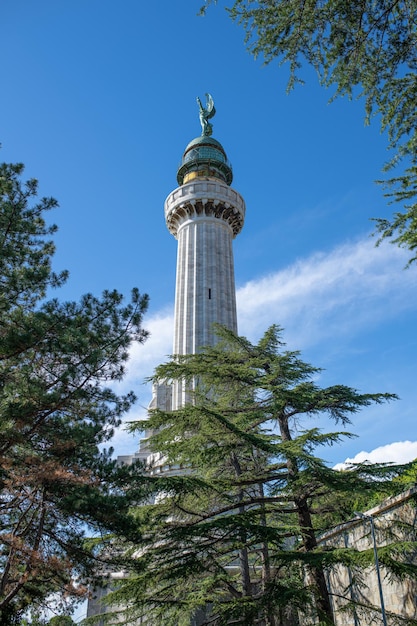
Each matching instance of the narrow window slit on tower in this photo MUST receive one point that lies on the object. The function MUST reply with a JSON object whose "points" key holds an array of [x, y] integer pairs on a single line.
{"points": [[209, 294]]}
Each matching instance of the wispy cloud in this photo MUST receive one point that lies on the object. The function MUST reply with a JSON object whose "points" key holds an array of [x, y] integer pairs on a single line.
{"points": [[145, 357], [344, 291]]}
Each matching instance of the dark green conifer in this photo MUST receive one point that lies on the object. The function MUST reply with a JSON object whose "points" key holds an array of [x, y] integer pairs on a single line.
{"points": [[57, 361], [235, 529]]}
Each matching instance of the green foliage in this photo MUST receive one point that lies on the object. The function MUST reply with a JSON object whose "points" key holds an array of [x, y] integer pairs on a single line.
{"points": [[235, 528], [61, 620], [57, 361], [364, 49], [409, 478]]}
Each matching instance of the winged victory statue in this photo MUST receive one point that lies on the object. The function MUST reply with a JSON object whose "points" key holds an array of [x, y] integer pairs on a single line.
{"points": [[205, 114]]}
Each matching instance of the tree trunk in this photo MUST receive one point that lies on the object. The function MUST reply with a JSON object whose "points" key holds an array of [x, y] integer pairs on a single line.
{"points": [[243, 552], [266, 566], [315, 575]]}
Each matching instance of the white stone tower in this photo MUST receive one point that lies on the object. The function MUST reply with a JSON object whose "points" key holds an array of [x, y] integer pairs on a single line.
{"points": [[204, 214]]}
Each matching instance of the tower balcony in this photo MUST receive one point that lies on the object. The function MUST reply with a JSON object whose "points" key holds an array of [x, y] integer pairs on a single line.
{"points": [[200, 197]]}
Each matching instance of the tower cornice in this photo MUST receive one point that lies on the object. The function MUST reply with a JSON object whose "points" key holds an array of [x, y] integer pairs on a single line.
{"points": [[209, 197]]}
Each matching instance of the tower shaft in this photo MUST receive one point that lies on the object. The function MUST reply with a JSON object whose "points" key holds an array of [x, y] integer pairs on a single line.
{"points": [[205, 289], [204, 215]]}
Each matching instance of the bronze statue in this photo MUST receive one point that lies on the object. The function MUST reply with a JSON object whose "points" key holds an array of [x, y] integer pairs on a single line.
{"points": [[206, 114]]}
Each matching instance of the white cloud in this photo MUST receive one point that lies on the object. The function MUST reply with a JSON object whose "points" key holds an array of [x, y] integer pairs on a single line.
{"points": [[328, 294], [397, 452], [142, 362], [145, 357]]}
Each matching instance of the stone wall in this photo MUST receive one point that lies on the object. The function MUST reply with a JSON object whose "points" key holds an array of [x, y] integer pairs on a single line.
{"points": [[353, 591]]}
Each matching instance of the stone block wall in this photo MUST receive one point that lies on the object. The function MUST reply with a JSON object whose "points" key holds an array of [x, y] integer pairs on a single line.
{"points": [[355, 593]]}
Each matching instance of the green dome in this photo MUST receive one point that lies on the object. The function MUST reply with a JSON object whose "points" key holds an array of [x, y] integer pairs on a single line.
{"points": [[204, 156]]}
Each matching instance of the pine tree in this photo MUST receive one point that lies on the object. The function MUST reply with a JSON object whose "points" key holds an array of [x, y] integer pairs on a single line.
{"points": [[243, 497], [57, 360]]}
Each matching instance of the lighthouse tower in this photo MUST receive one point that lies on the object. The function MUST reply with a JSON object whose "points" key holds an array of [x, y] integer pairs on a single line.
{"points": [[204, 214]]}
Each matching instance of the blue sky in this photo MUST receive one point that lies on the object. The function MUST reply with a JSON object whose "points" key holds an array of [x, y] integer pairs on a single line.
{"points": [[99, 101]]}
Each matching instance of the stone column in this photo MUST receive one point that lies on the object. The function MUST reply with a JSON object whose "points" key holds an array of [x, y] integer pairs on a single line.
{"points": [[204, 215]]}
